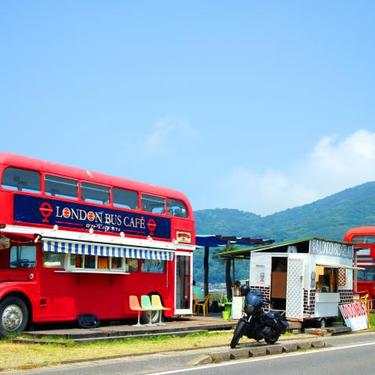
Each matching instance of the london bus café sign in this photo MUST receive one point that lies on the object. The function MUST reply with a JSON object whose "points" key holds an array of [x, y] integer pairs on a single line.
{"points": [[28, 209]]}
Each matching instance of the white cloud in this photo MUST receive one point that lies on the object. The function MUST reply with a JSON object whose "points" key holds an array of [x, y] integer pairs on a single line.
{"points": [[333, 165], [166, 131]]}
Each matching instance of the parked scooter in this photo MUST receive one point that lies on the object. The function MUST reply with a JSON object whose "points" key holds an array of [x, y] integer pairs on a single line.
{"points": [[257, 324]]}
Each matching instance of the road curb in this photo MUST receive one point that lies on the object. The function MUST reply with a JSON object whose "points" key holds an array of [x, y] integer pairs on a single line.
{"points": [[259, 351]]}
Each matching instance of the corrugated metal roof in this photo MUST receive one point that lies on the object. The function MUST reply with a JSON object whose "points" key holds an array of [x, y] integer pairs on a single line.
{"points": [[245, 252]]}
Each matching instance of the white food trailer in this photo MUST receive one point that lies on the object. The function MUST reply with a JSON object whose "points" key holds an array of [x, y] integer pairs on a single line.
{"points": [[307, 278]]}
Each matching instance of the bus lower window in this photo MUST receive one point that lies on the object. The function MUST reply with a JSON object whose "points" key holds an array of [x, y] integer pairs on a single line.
{"points": [[22, 256], [116, 263], [53, 260], [21, 180], [153, 266], [131, 265], [76, 261], [103, 263], [90, 261]]}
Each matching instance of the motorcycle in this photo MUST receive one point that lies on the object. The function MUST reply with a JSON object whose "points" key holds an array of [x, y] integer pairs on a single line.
{"points": [[257, 324]]}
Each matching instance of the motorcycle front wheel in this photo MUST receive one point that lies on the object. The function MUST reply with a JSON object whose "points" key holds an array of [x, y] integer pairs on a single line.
{"points": [[238, 333]]}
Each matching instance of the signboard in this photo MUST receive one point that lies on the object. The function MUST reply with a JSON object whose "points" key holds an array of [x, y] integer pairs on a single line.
{"points": [[354, 315], [35, 210], [319, 247]]}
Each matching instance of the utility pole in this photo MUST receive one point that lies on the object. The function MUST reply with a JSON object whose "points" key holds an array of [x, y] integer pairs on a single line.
{"points": [[228, 278]]}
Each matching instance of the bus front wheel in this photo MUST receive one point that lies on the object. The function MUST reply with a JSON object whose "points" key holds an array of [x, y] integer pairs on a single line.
{"points": [[14, 315], [152, 317]]}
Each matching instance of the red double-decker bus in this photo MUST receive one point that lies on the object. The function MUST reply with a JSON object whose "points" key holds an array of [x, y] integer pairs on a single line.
{"points": [[363, 239], [75, 243]]}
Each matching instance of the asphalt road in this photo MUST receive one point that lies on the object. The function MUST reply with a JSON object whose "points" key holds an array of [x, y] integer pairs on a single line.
{"points": [[342, 360], [350, 354]]}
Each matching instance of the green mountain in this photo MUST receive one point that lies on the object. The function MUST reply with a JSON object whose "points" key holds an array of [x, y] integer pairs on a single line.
{"points": [[329, 217]]}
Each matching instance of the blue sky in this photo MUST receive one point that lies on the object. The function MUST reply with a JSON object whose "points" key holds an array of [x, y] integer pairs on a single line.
{"points": [[252, 105]]}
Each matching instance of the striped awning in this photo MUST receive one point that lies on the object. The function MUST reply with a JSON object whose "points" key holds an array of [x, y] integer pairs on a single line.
{"points": [[76, 247]]}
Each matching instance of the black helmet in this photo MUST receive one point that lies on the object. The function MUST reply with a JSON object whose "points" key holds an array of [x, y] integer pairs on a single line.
{"points": [[244, 289]]}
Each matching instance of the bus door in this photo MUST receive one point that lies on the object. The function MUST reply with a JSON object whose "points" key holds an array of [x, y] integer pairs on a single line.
{"points": [[183, 264]]}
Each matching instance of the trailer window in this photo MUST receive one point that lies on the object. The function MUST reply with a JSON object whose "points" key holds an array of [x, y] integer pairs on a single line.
{"points": [[61, 187], [326, 279], [21, 180]]}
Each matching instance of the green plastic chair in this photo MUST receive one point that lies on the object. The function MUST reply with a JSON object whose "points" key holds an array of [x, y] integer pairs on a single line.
{"points": [[146, 306]]}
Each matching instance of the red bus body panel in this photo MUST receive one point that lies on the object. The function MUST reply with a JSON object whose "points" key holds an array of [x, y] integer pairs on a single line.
{"points": [[363, 286]]}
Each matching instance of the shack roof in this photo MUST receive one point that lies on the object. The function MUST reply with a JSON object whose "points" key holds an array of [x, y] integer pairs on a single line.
{"points": [[302, 246]]}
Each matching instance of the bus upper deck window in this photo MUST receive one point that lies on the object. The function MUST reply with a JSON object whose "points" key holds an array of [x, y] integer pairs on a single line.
{"points": [[367, 239], [177, 208], [151, 203], [125, 198], [61, 187], [94, 193], [21, 180]]}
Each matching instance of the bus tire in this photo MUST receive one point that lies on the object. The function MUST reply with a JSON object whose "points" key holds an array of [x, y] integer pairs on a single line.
{"points": [[14, 315], [155, 317]]}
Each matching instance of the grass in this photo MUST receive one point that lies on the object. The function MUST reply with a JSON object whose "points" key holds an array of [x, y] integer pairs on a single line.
{"points": [[55, 351], [372, 321], [25, 356]]}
